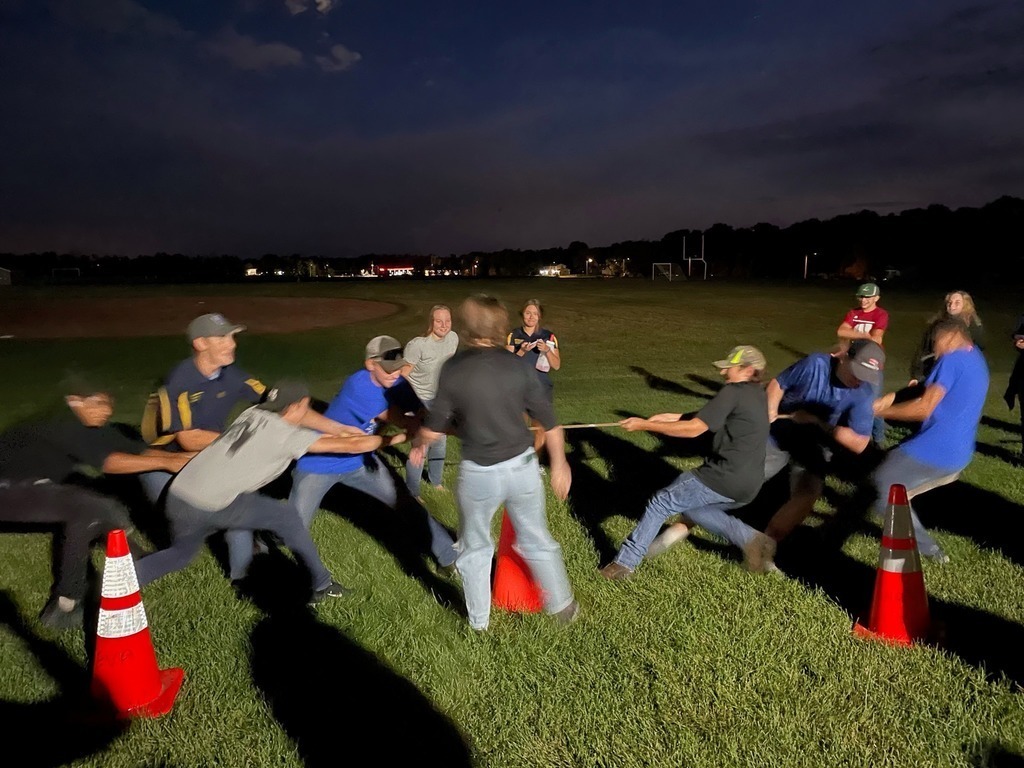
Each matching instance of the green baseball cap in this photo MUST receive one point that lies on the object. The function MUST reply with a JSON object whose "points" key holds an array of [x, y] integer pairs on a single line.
{"points": [[743, 355], [867, 290]]}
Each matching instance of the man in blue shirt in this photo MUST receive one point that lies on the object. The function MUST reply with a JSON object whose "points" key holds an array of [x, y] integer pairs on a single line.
{"points": [[368, 398], [818, 404], [949, 410]]}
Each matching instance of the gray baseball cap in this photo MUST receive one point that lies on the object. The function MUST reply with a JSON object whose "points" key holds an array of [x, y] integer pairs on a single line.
{"points": [[278, 397], [214, 324], [867, 360], [386, 351]]}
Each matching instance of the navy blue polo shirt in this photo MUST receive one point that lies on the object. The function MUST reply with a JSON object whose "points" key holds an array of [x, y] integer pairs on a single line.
{"points": [[189, 400]]}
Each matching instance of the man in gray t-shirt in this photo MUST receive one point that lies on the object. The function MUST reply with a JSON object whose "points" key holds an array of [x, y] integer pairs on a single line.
{"points": [[730, 477], [217, 490], [424, 356]]}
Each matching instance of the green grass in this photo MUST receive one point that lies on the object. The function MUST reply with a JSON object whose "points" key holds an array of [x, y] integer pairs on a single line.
{"points": [[693, 662]]}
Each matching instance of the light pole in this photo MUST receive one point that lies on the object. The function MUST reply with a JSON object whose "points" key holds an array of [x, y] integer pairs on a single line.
{"points": [[806, 259], [588, 266]]}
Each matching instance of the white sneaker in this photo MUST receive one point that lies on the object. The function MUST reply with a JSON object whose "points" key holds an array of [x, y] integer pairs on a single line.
{"points": [[668, 538]]}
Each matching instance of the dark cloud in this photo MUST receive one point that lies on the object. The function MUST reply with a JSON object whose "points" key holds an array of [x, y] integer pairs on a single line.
{"points": [[248, 128]]}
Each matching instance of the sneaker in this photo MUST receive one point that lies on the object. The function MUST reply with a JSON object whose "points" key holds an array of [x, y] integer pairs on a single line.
{"points": [[616, 571], [56, 616], [759, 554], [568, 614], [668, 539], [334, 589], [939, 557]]}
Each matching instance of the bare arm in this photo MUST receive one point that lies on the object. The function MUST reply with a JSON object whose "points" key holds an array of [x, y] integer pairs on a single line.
{"points": [[689, 428], [554, 356], [354, 443], [119, 463], [422, 441], [317, 421], [847, 331], [850, 440], [561, 475], [918, 409], [774, 393], [195, 439]]}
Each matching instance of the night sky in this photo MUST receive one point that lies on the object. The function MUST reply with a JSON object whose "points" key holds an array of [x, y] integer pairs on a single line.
{"points": [[338, 128]]}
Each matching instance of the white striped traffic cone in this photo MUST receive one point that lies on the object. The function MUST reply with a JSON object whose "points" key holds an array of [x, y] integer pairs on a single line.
{"points": [[125, 671]]}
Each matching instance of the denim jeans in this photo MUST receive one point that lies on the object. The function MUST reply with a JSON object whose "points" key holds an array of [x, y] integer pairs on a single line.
{"points": [[918, 478], [309, 489], [688, 496], [517, 484], [154, 483], [247, 513], [434, 463]]}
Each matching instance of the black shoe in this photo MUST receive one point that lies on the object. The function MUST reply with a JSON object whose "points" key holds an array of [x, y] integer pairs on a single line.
{"points": [[56, 617], [616, 571], [334, 589]]}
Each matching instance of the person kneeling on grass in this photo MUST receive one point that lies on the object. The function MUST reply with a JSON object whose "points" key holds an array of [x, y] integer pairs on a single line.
{"points": [[728, 479], [217, 490]]}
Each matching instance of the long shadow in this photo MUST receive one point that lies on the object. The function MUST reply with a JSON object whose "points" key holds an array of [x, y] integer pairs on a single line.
{"points": [[983, 640], [666, 385], [1012, 457], [634, 474], [990, 520], [800, 354], [328, 693], [69, 726], [402, 531], [715, 385], [1007, 426]]}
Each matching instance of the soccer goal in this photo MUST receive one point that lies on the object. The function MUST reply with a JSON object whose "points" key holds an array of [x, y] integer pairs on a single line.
{"points": [[667, 270]]}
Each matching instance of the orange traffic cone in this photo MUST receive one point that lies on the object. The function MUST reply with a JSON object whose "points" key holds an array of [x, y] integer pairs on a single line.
{"points": [[514, 588], [125, 671], [899, 608]]}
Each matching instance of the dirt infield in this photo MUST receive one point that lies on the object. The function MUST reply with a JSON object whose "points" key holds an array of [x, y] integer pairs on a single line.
{"points": [[169, 315]]}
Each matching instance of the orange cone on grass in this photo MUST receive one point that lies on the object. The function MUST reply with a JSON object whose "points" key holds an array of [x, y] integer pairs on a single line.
{"points": [[125, 671], [899, 607], [514, 588]]}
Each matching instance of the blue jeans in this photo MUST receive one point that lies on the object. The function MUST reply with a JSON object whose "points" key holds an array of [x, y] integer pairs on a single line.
{"points": [[247, 513], [434, 463], [309, 489], [153, 484], [918, 478], [517, 484], [686, 495]]}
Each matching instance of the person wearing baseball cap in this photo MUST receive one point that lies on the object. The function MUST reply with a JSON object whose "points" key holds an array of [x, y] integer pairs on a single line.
{"points": [[866, 322], [372, 398], [730, 477], [821, 408], [220, 491], [949, 410], [42, 483]]}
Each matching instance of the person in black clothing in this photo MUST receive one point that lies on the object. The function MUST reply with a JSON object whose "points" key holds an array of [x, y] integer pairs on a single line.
{"points": [[39, 466], [730, 477], [481, 397], [1015, 389]]}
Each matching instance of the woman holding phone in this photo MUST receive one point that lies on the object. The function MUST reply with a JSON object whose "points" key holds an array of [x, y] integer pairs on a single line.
{"points": [[538, 348]]}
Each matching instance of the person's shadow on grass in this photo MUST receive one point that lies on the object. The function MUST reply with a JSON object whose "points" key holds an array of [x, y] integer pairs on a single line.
{"points": [[988, 642], [332, 697], [666, 385], [70, 726], [404, 532], [634, 474]]}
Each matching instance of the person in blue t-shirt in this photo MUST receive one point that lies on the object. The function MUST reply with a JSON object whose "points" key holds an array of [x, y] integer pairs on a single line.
{"points": [[949, 410], [819, 404], [367, 399]]}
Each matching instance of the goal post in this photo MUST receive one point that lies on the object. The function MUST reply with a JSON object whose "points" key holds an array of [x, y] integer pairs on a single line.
{"points": [[667, 270]]}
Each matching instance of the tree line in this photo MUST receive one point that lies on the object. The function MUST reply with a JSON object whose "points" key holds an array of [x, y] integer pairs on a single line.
{"points": [[916, 244]]}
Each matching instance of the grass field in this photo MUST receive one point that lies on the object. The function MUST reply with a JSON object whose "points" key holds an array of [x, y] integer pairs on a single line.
{"points": [[693, 662]]}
